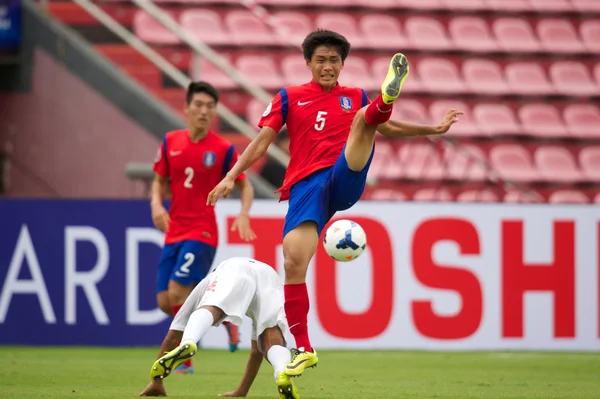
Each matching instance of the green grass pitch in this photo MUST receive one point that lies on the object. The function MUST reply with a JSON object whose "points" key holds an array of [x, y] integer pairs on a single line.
{"points": [[38, 373]]}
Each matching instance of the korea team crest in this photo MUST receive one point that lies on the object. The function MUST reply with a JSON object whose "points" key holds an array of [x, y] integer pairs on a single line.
{"points": [[209, 159], [346, 103]]}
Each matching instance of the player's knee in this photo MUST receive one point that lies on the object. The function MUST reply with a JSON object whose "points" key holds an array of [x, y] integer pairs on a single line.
{"points": [[295, 266], [164, 304], [178, 292]]}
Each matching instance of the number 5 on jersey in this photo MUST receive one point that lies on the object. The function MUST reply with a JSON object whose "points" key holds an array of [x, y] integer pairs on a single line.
{"points": [[320, 124]]}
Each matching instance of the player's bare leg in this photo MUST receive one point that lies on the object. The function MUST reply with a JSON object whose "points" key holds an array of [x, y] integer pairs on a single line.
{"points": [[362, 133], [273, 346], [299, 246]]}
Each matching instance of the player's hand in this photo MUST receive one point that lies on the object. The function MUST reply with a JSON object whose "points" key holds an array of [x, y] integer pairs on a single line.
{"points": [[451, 117], [242, 226], [222, 190], [233, 394], [160, 217], [154, 388]]}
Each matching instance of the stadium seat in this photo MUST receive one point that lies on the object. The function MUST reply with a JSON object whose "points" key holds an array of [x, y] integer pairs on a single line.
{"points": [[559, 36], [385, 164], [466, 126], [589, 160], [568, 197], [420, 162], [582, 120], [465, 162], [426, 34], [356, 73], [291, 27], [527, 78], [522, 196], [410, 110], [496, 119], [573, 78], [551, 5], [597, 73], [556, 163], [485, 195], [484, 77], [590, 34], [513, 162], [261, 71], [213, 74], [254, 111], [439, 75], [294, 69], [421, 4], [384, 4], [474, 5], [515, 34], [379, 69], [597, 198], [378, 30], [342, 23], [246, 29], [542, 120], [205, 26], [471, 34], [432, 194], [151, 31], [586, 5], [508, 5], [387, 194]]}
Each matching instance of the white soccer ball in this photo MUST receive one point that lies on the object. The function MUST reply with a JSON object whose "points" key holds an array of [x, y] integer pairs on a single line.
{"points": [[345, 240]]}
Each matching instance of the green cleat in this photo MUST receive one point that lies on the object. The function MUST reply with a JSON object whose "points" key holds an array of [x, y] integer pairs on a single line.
{"points": [[286, 387], [301, 361], [397, 74], [163, 367]]}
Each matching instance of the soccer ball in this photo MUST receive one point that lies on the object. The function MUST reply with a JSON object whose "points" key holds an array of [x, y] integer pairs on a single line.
{"points": [[345, 240]]}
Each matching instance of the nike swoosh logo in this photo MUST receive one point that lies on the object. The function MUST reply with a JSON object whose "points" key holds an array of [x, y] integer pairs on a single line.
{"points": [[297, 364], [175, 153], [300, 103]]}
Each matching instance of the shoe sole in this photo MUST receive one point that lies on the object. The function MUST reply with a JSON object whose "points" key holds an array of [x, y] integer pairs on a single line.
{"points": [[399, 66], [286, 392], [171, 362]]}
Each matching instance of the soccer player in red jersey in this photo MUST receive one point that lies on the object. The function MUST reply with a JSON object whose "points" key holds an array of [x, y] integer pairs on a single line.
{"points": [[192, 161], [332, 137]]}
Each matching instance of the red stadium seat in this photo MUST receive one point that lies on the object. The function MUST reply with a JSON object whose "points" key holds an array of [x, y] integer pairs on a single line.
{"points": [[513, 162], [527, 78], [597, 73], [421, 4], [590, 34], [387, 194], [522, 197], [586, 5], [464, 162], [261, 71], [382, 31], [509, 5], [465, 127], [384, 4], [573, 78], [151, 31], [205, 26], [515, 34], [464, 4], [478, 196], [291, 27], [568, 197], [410, 111], [295, 71], [559, 36], [557, 164], [471, 34], [385, 164], [211, 73], [582, 120], [254, 111], [356, 73], [420, 161], [247, 29], [426, 34], [542, 120], [551, 5], [342, 23], [589, 160], [484, 77], [432, 194], [439, 75], [597, 198], [496, 119]]}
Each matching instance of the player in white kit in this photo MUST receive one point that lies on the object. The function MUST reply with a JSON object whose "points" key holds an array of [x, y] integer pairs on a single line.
{"points": [[237, 287]]}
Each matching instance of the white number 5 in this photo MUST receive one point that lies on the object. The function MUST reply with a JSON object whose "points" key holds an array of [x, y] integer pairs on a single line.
{"points": [[190, 175], [320, 120]]}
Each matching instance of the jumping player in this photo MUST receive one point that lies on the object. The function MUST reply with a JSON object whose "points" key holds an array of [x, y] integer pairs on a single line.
{"points": [[332, 135], [238, 287], [193, 160]]}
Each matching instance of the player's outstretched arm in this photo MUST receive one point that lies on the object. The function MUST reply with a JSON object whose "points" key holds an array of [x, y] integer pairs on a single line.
{"points": [[160, 216], [251, 154], [252, 367], [242, 223], [394, 128]]}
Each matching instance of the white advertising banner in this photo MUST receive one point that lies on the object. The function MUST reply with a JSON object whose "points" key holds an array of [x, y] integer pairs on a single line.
{"points": [[445, 277]]}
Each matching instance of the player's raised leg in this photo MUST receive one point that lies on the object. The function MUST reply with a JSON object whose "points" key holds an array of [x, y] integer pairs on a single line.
{"points": [[362, 133], [299, 245]]}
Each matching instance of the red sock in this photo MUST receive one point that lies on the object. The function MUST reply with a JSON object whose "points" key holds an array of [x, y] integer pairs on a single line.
{"points": [[378, 112], [175, 309], [296, 311]]}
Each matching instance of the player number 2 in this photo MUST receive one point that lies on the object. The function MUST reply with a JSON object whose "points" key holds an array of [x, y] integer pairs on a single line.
{"points": [[320, 120], [189, 172], [189, 259]]}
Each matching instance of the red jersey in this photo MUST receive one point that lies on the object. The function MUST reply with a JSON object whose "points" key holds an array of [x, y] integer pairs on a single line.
{"points": [[318, 125], [194, 169]]}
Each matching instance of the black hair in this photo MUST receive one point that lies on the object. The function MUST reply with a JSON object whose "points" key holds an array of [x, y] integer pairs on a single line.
{"points": [[324, 37], [201, 87]]}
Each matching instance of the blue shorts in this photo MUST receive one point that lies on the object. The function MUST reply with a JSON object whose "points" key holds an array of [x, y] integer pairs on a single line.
{"points": [[186, 262], [319, 196]]}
